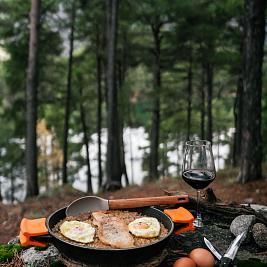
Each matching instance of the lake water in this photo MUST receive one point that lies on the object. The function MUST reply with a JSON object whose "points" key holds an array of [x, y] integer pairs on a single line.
{"points": [[136, 144]]}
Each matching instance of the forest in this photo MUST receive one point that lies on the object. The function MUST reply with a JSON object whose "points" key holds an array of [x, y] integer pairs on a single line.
{"points": [[71, 71]]}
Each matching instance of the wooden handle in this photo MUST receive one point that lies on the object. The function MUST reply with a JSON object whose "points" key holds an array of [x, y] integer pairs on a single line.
{"points": [[147, 201]]}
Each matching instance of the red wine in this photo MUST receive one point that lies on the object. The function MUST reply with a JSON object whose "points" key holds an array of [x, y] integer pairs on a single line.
{"points": [[198, 179]]}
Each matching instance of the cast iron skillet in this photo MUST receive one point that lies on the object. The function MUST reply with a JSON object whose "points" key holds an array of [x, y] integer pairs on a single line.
{"points": [[117, 257]]}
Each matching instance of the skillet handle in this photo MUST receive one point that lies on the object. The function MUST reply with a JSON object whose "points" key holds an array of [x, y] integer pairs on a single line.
{"points": [[42, 238], [147, 201]]}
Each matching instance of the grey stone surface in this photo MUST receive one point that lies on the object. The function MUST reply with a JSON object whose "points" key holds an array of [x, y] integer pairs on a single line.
{"points": [[259, 232], [261, 209], [14, 241], [41, 258], [242, 223]]}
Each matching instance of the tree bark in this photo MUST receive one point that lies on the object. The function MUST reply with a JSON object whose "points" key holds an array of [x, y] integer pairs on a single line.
{"points": [[155, 128], [238, 103], [114, 171], [122, 69], [68, 98], [12, 188], [209, 69], [99, 104], [189, 96], [1, 197], [86, 143], [228, 211], [254, 30], [238, 121], [32, 103], [202, 105]]}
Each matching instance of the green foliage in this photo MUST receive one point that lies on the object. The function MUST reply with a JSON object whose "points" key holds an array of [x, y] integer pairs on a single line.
{"points": [[138, 82], [7, 251]]}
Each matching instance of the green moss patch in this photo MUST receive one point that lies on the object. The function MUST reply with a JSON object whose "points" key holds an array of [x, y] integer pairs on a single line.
{"points": [[7, 251]]}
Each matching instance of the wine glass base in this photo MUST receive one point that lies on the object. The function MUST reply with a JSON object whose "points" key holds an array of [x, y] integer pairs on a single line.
{"points": [[198, 223]]}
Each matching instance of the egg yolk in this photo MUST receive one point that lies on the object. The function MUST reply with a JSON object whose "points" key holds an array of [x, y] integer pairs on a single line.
{"points": [[142, 225]]}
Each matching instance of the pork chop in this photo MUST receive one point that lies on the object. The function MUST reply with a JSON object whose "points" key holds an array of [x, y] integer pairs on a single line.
{"points": [[112, 231]]}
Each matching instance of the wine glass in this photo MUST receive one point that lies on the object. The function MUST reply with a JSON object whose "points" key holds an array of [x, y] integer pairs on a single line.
{"points": [[198, 169]]}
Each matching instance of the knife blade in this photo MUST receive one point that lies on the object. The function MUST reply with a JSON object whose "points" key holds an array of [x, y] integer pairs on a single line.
{"points": [[228, 257], [214, 251]]}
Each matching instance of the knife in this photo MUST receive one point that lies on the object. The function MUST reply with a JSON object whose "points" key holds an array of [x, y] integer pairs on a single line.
{"points": [[228, 257], [213, 249]]}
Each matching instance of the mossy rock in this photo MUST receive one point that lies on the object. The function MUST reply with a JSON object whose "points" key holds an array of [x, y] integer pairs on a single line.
{"points": [[7, 251]]}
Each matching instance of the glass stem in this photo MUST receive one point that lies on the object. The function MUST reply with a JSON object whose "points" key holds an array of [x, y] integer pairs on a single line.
{"points": [[199, 218]]}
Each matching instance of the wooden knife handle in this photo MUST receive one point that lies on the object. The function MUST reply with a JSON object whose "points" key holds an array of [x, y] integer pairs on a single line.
{"points": [[147, 201]]}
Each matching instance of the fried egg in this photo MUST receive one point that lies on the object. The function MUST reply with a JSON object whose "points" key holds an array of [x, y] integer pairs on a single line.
{"points": [[146, 227], [78, 231]]}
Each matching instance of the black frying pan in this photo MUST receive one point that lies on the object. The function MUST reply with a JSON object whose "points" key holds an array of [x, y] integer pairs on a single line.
{"points": [[117, 257]]}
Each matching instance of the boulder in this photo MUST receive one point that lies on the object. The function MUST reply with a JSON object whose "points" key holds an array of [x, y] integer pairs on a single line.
{"points": [[243, 223], [259, 232], [34, 257]]}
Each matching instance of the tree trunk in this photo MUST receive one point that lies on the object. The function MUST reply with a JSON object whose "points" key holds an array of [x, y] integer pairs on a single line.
{"points": [[130, 139], [99, 105], [209, 69], [1, 197], [189, 96], [238, 105], [218, 150], [155, 127], [114, 171], [238, 121], [68, 98], [124, 169], [122, 69], [32, 103], [86, 143], [46, 174], [251, 151], [202, 104], [12, 188]]}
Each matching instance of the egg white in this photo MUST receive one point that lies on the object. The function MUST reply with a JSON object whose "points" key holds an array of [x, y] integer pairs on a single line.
{"points": [[146, 227], [78, 231]]}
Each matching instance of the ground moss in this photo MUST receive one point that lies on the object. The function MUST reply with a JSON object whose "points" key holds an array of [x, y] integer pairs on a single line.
{"points": [[250, 263], [58, 264], [7, 251]]}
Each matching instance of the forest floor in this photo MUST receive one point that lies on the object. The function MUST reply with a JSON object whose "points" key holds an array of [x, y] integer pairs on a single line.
{"points": [[224, 187]]}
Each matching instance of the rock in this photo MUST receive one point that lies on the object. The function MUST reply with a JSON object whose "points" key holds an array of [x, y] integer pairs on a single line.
{"points": [[14, 241], [260, 209], [242, 223], [33, 257], [259, 232]]}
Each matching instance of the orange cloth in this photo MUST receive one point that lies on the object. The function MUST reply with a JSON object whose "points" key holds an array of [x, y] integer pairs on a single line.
{"points": [[186, 228], [30, 228], [180, 215]]}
